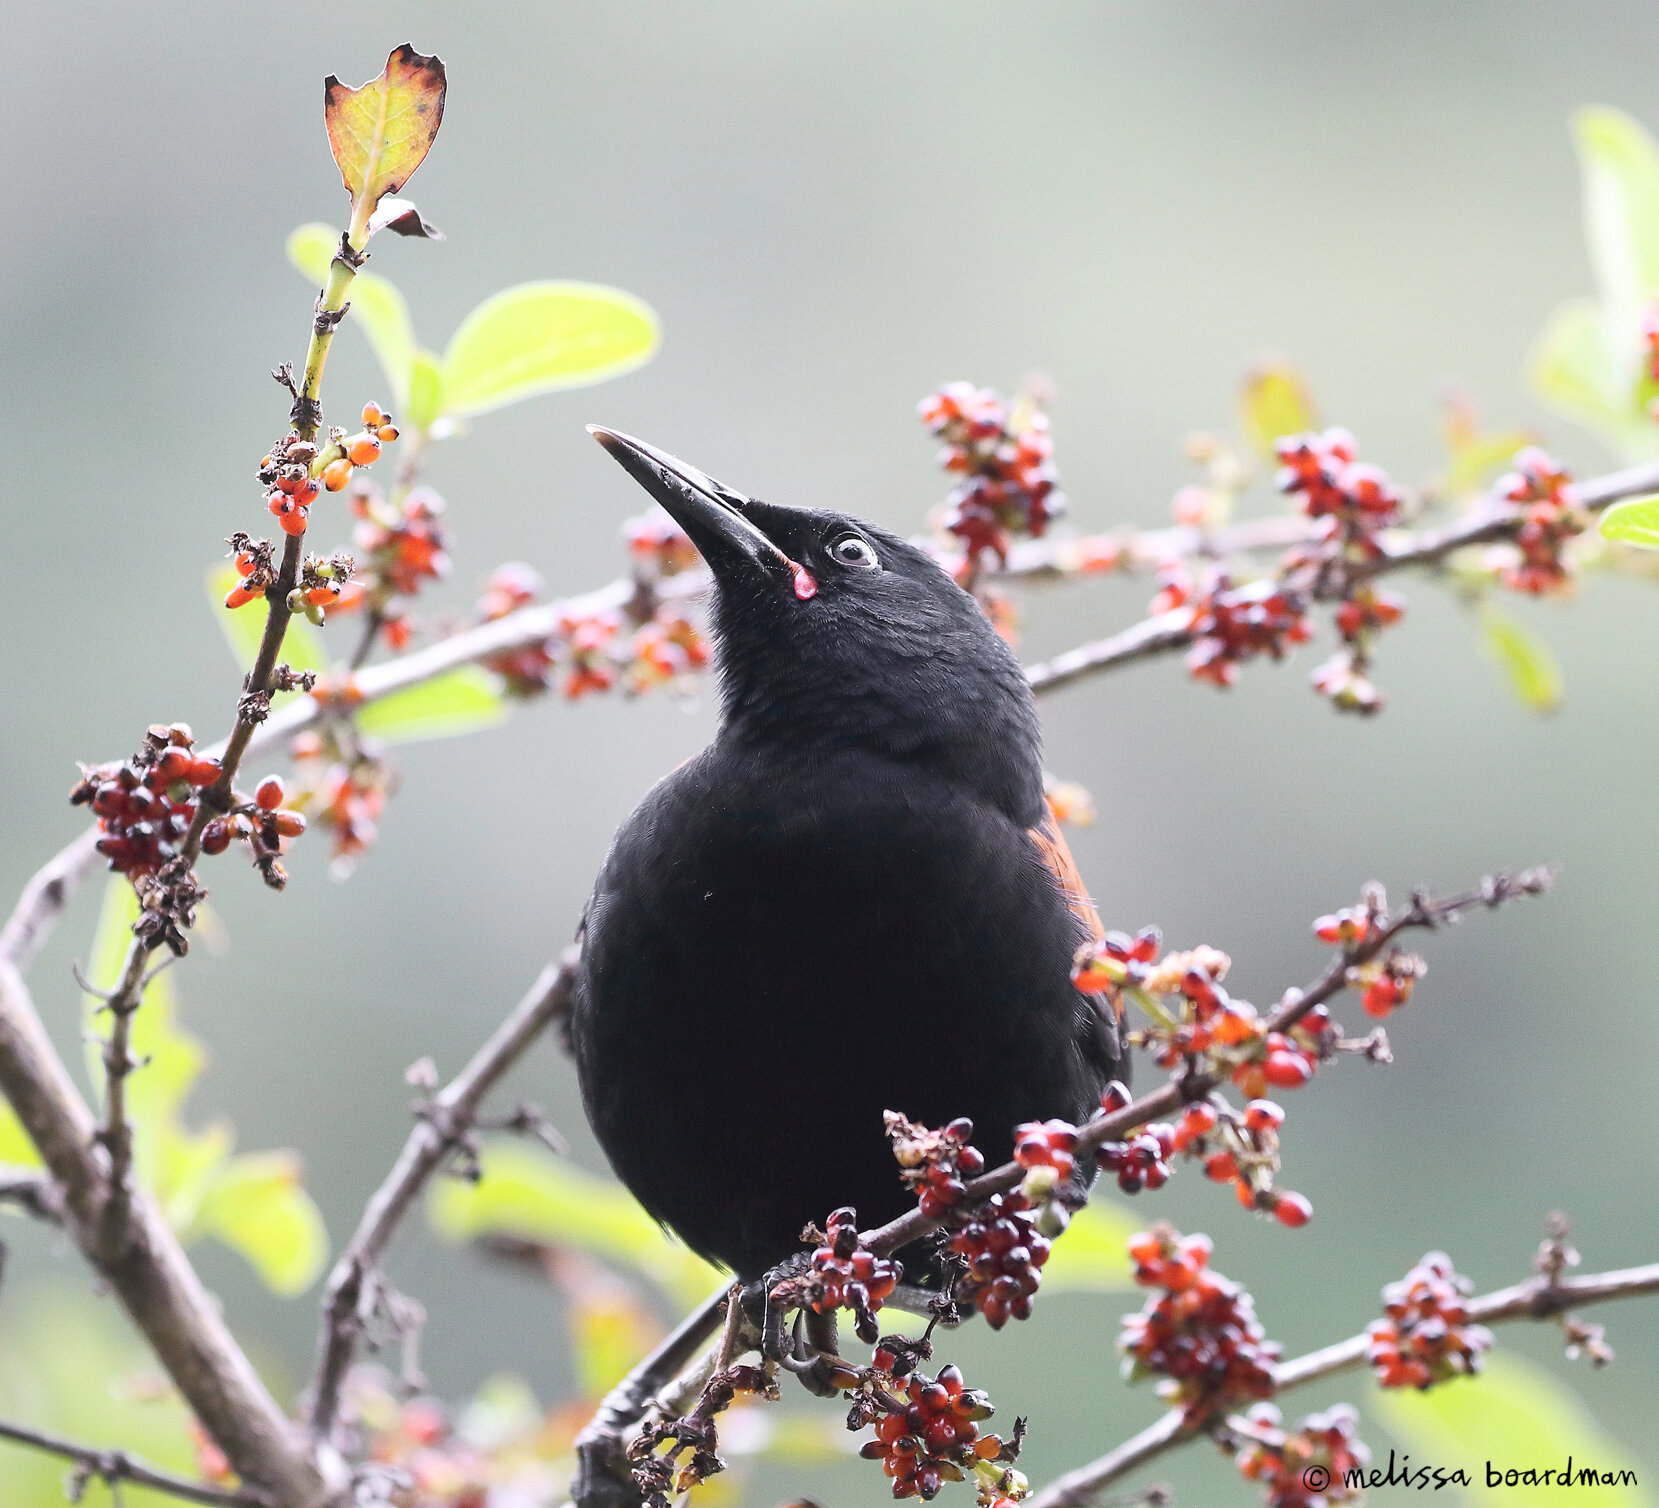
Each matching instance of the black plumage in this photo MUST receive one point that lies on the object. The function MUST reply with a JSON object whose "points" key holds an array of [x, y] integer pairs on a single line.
{"points": [[852, 901]]}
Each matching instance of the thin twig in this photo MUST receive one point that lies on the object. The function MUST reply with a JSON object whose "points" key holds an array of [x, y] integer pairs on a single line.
{"points": [[113, 1466], [1175, 1092], [1494, 518], [44, 898], [32, 1191], [600, 1447], [1535, 1299], [443, 1126]]}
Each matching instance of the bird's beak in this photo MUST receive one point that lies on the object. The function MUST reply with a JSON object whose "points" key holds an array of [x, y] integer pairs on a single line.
{"points": [[710, 512]]}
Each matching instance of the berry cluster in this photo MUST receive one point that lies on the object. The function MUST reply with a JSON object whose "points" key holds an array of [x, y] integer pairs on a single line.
{"points": [[362, 449], [1231, 624], [1198, 1017], [1004, 1252], [934, 1438], [936, 1164], [1006, 460], [1200, 1333], [1116, 961], [1385, 984], [1306, 1467], [1047, 1145], [346, 795], [146, 805], [1141, 1162], [1541, 486], [1349, 928], [848, 1277], [658, 545], [321, 585], [255, 565], [528, 669], [290, 488], [403, 546], [1425, 1336], [1242, 1149], [1357, 499]]}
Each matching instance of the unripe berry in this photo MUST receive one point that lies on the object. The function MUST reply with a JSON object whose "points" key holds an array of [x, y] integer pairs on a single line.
{"points": [[386, 433], [336, 474]]}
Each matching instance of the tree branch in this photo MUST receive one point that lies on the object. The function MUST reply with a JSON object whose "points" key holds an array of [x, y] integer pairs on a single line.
{"points": [[152, 1277], [444, 1125], [1536, 1299], [1493, 519], [43, 899], [32, 1191], [1421, 912], [115, 1466]]}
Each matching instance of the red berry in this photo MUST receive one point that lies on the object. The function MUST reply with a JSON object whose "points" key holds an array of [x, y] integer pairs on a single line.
{"points": [[293, 523], [289, 824], [215, 837], [1293, 1210], [203, 771], [269, 794]]}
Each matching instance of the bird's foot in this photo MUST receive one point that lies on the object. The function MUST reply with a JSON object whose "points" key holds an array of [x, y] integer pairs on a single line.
{"points": [[808, 1348]]}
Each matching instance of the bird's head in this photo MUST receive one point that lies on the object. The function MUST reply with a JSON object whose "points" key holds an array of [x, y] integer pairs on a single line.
{"points": [[831, 632]]}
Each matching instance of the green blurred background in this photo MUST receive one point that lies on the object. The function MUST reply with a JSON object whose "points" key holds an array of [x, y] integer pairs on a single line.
{"points": [[833, 209]]}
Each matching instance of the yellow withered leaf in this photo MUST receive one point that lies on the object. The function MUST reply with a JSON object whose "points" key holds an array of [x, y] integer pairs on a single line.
{"points": [[381, 132]]}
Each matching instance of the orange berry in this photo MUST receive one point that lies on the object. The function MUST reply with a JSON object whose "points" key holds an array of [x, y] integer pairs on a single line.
{"points": [[241, 595], [269, 794], [364, 450], [386, 432], [306, 493], [336, 474], [373, 414], [288, 824], [294, 523]]}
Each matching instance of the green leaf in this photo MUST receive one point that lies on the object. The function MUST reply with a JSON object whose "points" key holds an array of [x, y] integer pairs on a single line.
{"points": [[376, 304], [257, 1205], [69, 1365], [528, 1193], [1533, 673], [537, 337], [1635, 521], [244, 627], [381, 131], [426, 390], [1275, 402], [1620, 168], [1092, 1255], [1512, 1415], [462, 701], [1572, 368]]}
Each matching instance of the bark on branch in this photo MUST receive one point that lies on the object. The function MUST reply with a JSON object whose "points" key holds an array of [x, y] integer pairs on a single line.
{"points": [[1536, 1299]]}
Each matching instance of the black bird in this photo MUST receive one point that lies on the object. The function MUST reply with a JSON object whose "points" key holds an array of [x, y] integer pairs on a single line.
{"points": [[853, 900]]}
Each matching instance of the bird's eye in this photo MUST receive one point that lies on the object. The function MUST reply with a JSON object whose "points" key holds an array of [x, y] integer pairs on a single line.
{"points": [[854, 550]]}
